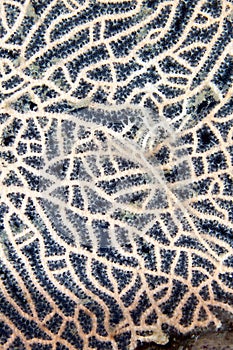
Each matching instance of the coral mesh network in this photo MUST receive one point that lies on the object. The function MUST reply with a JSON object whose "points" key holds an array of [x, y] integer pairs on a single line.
{"points": [[116, 156]]}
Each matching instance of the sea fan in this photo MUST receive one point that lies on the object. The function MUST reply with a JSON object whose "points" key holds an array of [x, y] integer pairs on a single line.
{"points": [[116, 172]]}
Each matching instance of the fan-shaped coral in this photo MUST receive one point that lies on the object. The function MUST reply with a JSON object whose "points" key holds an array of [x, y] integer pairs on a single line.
{"points": [[116, 171]]}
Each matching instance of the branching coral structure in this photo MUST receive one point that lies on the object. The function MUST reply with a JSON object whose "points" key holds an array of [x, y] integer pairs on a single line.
{"points": [[116, 151]]}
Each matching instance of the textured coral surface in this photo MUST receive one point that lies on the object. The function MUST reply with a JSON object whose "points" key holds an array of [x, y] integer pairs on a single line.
{"points": [[116, 159]]}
